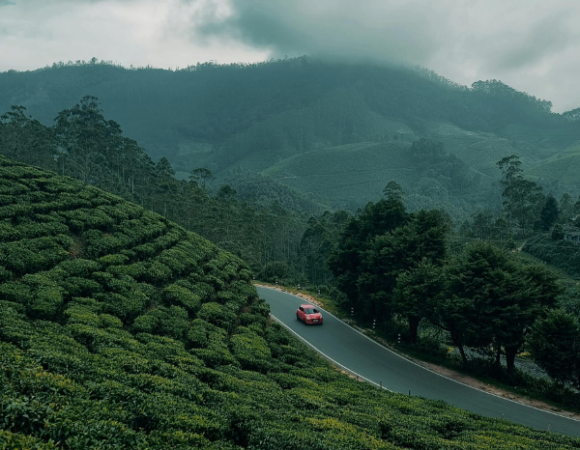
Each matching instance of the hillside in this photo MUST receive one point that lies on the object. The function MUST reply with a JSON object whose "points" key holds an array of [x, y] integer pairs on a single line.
{"points": [[253, 118], [349, 175], [219, 116], [563, 167], [118, 329]]}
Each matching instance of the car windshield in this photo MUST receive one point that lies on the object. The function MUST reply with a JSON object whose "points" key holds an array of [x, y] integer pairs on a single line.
{"points": [[310, 310]]}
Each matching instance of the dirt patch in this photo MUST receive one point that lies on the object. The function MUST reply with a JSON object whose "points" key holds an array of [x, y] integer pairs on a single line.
{"points": [[449, 373]]}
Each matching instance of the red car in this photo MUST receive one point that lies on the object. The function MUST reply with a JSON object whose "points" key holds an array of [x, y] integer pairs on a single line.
{"points": [[309, 315]]}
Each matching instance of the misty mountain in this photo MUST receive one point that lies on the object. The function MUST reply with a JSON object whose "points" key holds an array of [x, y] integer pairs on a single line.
{"points": [[340, 131]]}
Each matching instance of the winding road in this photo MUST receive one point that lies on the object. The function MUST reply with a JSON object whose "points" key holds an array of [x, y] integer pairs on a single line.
{"points": [[346, 347]]}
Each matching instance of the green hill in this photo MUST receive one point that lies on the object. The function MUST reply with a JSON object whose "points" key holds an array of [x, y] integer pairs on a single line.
{"points": [[120, 330], [256, 114], [350, 175], [564, 167], [348, 172], [252, 118]]}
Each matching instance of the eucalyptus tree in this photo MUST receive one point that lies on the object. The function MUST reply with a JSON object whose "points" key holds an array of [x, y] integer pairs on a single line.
{"points": [[523, 199]]}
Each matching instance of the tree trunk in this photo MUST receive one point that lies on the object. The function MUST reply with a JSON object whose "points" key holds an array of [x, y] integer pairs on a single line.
{"points": [[459, 345], [462, 352], [510, 356], [498, 356], [413, 327]]}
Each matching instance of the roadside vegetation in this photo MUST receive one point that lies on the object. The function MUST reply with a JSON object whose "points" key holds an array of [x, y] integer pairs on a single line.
{"points": [[471, 290]]}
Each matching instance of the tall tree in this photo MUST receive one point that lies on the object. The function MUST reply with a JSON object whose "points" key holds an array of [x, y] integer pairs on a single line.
{"points": [[319, 242], [549, 213], [416, 293], [393, 191], [26, 139], [202, 176], [86, 139], [491, 297], [390, 254], [523, 198], [346, 262], [555, 346], [566, 207]]}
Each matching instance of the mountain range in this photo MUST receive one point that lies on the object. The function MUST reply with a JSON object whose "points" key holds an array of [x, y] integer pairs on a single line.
{"points": [[335, 131]]}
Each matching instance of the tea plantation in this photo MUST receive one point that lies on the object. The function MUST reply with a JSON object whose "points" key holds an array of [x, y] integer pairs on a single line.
{"points": [[119, 330]]}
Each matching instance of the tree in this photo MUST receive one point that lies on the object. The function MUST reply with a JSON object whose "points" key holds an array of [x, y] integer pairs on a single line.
{"points": [[566, 207], [468, 283], [26, 139], [319, 241], [393, 191], [416, 292], [549, 213], [491, 297], [523, 198], [86, 140], [390, 254], [558, 232], [226, 193], [577, 207], [530, 293], [202, 176], [346, 262], [555, 346]]}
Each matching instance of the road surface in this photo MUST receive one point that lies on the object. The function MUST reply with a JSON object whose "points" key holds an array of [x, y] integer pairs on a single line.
{"points": [[351, 349]]}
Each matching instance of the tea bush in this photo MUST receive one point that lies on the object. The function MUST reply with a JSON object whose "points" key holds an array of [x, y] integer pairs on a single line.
{"points": [[119, 330]]}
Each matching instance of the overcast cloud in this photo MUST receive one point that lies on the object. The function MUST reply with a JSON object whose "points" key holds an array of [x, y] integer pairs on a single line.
{"points": [[531, 45]]}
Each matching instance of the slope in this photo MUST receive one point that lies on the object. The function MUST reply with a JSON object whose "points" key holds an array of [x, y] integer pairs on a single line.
{"points": [[347, 172], [350, 175], [563, 167], [119, 330], [215, 116]]}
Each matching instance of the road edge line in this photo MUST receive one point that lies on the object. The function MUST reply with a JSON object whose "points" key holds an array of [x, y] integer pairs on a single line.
{"points": [[324, 355]]}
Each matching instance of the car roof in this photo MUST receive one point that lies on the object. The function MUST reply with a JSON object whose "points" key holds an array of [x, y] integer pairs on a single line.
{"points": [[307, 305]]}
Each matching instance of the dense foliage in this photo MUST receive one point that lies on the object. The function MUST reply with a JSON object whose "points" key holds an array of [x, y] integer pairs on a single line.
{"points": [[391, 262], [119, 329], [559, 253]]}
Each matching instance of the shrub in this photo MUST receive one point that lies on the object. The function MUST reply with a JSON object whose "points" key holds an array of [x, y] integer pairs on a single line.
{"points": [[250, 350], [80, 267], [126, 307], [177, 295], [113, 260], [46, 296], [218, 315], [172, 322], [18, 441], [157, 273]]}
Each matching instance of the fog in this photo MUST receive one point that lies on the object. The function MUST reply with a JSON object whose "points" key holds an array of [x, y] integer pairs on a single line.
{"points": [[530, 45]]}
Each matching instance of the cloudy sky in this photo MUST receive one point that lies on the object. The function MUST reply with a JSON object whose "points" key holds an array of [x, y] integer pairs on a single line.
{"points": [[532, 45]]}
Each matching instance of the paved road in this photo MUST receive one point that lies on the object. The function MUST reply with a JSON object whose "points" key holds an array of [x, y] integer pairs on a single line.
{"points": [[374, 362]]}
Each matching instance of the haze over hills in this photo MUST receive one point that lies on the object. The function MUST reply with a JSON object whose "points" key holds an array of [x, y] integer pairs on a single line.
{"points": [[340, 131]]}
